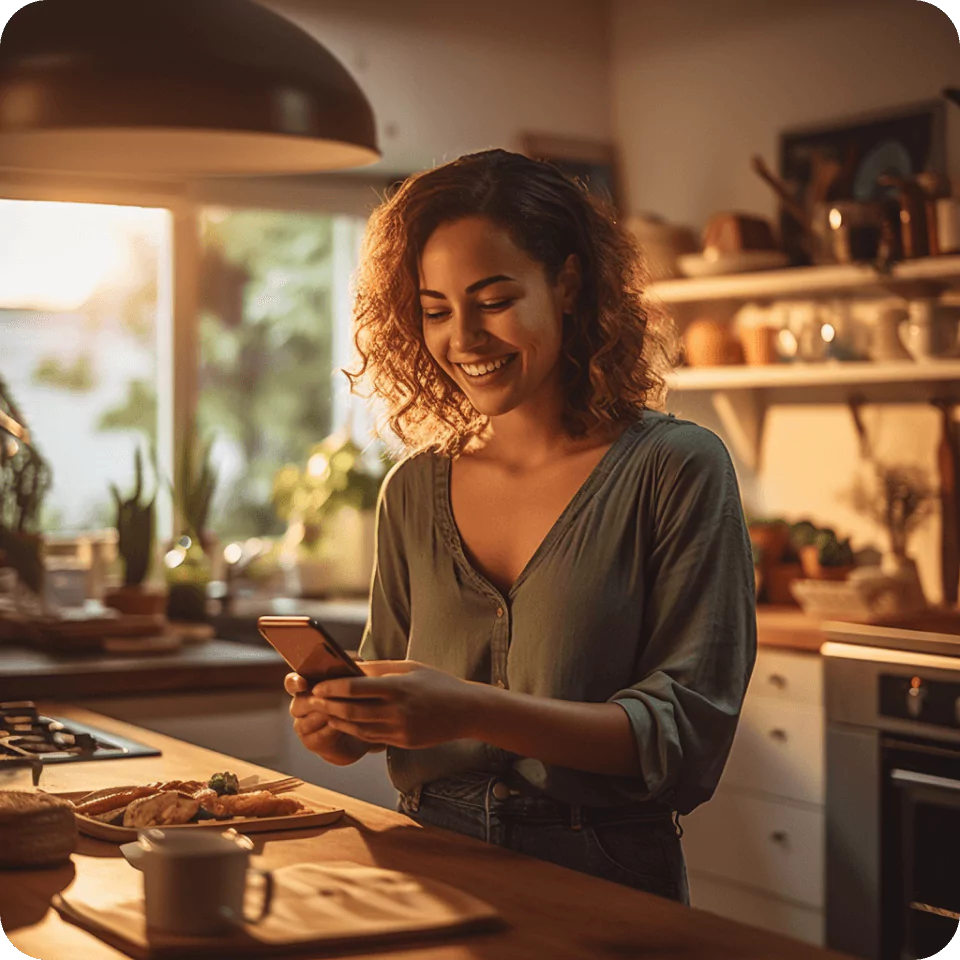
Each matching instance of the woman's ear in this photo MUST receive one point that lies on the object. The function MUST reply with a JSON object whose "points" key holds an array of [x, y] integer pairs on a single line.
{"points": [[569, 283]]}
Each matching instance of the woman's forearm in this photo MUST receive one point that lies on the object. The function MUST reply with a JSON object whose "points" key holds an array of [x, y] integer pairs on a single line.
{"points": [[594, 737]]}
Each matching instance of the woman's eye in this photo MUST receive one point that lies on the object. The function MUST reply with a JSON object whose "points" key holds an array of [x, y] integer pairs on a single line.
{"points": [[497, 304], [434, 315]]}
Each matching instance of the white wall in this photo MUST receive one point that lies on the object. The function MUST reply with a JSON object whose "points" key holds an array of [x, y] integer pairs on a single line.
{"points": [[447, 77], [698, 86]]}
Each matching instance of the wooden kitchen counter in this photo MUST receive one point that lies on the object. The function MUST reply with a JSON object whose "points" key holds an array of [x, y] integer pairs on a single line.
{"points": [[27, 673], [788, 628], [551, 913]]}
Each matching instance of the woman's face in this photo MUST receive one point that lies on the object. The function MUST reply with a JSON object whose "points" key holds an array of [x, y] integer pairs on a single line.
{"points": [[492, 320]]}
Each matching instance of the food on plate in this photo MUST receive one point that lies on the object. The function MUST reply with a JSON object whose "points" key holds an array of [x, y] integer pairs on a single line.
{"points": [[118, 799], [165, 809], [260, 803], [185, 801], [224, 783]]}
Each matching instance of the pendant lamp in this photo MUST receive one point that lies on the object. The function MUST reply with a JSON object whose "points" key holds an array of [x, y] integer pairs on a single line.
{"points": [[174, 88]]}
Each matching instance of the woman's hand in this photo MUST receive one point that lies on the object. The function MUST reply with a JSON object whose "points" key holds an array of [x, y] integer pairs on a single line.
{"points": [[401, 703], [311, 724]]}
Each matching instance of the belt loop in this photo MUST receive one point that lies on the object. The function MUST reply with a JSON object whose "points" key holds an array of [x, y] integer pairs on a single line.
{"points": [[576, 817], [676, 823]]}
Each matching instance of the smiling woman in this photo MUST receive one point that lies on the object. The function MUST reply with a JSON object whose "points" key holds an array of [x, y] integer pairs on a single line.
{"points": [[562, 620]]}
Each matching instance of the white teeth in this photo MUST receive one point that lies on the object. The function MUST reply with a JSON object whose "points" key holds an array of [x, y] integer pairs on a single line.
{"points": [[479, 369]]}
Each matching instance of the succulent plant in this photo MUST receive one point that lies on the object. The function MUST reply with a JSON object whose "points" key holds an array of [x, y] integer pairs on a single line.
{"points": [[802, 534], [135, 528], [198, 482]]}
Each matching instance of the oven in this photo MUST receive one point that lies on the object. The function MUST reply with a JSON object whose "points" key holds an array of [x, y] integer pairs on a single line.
{"points": [[893, 795]]}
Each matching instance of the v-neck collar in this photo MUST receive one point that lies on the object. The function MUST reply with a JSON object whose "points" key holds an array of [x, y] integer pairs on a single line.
{"points": [[444, 514]]}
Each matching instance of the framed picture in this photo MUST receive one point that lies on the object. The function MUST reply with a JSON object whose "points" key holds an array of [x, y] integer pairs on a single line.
{"points": [[594, 162], [842, 159]]}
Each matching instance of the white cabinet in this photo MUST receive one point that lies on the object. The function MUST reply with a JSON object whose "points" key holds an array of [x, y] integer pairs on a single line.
{"points": [[755, 852]]}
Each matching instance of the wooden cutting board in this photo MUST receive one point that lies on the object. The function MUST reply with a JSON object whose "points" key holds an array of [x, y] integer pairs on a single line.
{"points": [[329, 905]]}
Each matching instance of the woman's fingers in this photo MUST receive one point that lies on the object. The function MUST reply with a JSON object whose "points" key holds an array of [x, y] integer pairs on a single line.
{"points": [[382, 668], [368, 732], [310, 724], [294, 684], [303, 703], [356, 711]]}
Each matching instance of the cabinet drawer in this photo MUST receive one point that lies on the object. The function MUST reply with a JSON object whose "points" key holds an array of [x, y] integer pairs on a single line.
{"points": [[779, 749], [775, 848], [756, 910], [784, 675]]}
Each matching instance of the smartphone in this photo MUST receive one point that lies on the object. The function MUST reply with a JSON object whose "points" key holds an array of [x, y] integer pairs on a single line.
{"points": [[308, 648]]}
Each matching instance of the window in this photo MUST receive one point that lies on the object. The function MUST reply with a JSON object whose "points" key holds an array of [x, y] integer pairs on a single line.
{"points": [[84, 297], [275, 301]]}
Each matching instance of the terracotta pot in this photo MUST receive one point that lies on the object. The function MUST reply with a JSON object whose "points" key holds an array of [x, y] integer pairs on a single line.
{"points": [[137, 600], [710, 343], [772, 539], [759, 345], [814, 570], [777, 579]]}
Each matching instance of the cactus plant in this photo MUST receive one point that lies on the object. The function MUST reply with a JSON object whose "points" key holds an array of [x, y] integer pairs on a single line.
{"points": [[135, 528], [198, 483]]}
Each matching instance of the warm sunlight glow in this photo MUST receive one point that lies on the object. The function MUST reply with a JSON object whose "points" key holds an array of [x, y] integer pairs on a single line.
{"points": [[54, 256], [317, 465], [173, 558], [232, 553], [828, 332]]}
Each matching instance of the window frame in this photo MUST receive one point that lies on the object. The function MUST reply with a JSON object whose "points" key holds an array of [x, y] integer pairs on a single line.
{"points": [[321, 194]]}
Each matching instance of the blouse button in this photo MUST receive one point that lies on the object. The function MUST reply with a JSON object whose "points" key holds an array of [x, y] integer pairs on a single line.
{"points": [[499, 611]]}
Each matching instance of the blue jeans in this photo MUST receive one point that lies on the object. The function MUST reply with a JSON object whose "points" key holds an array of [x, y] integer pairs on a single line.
{"points": [[637, 845]]}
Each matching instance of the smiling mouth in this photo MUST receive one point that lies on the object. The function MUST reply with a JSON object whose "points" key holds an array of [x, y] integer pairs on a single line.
{"points": [[482, 371]]}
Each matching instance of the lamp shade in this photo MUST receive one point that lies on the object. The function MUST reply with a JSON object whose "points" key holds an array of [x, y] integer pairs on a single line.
{"points": [[174, 88]]}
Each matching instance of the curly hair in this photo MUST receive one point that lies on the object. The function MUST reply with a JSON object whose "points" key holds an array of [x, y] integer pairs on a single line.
{"points": [[617, 345]]}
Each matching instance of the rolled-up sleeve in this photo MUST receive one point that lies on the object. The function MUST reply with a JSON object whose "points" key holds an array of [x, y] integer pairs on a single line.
{"points": [[387, 631], [699, 635]]}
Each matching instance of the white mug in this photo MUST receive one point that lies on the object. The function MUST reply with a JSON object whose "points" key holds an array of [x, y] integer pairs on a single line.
{"points": [[194, 880], [929, 331]]}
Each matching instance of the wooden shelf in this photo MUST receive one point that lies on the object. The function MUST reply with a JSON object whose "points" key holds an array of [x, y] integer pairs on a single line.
{"points": [[742, 394], [928, 276]]}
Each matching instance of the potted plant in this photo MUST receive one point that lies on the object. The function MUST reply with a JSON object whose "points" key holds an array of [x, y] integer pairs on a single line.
{"points": [[136, 524], [25, 479], [779, 565], [189, 565], [329, 506], [826, 557], [899, 499]]}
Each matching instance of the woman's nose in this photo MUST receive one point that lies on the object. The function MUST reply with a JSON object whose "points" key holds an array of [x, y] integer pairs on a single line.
{"points": [[467, 332]]}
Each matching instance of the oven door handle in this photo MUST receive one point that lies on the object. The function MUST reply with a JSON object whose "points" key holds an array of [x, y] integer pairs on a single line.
{"points": [[914, 779]]}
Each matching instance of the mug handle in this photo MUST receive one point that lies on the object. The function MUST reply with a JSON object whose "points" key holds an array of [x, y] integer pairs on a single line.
{"points": [[267, 896]]}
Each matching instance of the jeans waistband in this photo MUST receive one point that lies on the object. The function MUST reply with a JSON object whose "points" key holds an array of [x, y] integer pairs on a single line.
{"points": [[520, 800]]}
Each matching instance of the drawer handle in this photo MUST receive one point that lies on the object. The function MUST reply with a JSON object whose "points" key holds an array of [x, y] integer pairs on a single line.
{"points": [[779, 837], [777, 680], [779, 735]]}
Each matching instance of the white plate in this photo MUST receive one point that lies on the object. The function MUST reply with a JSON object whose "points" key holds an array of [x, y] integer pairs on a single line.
{"points": [[698, 265]]}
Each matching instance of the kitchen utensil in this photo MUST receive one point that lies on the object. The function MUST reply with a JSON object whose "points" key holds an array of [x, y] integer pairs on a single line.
{"points": [[948, 463], [855, 229], [885, 344], [947, 211], [913, 214], [194, 883], [789, 202], [759, 343], [710, 343], [930, 330]]}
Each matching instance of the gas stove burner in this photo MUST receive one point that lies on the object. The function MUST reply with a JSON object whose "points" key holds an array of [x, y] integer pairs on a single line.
{"points": [[24, 733]]}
